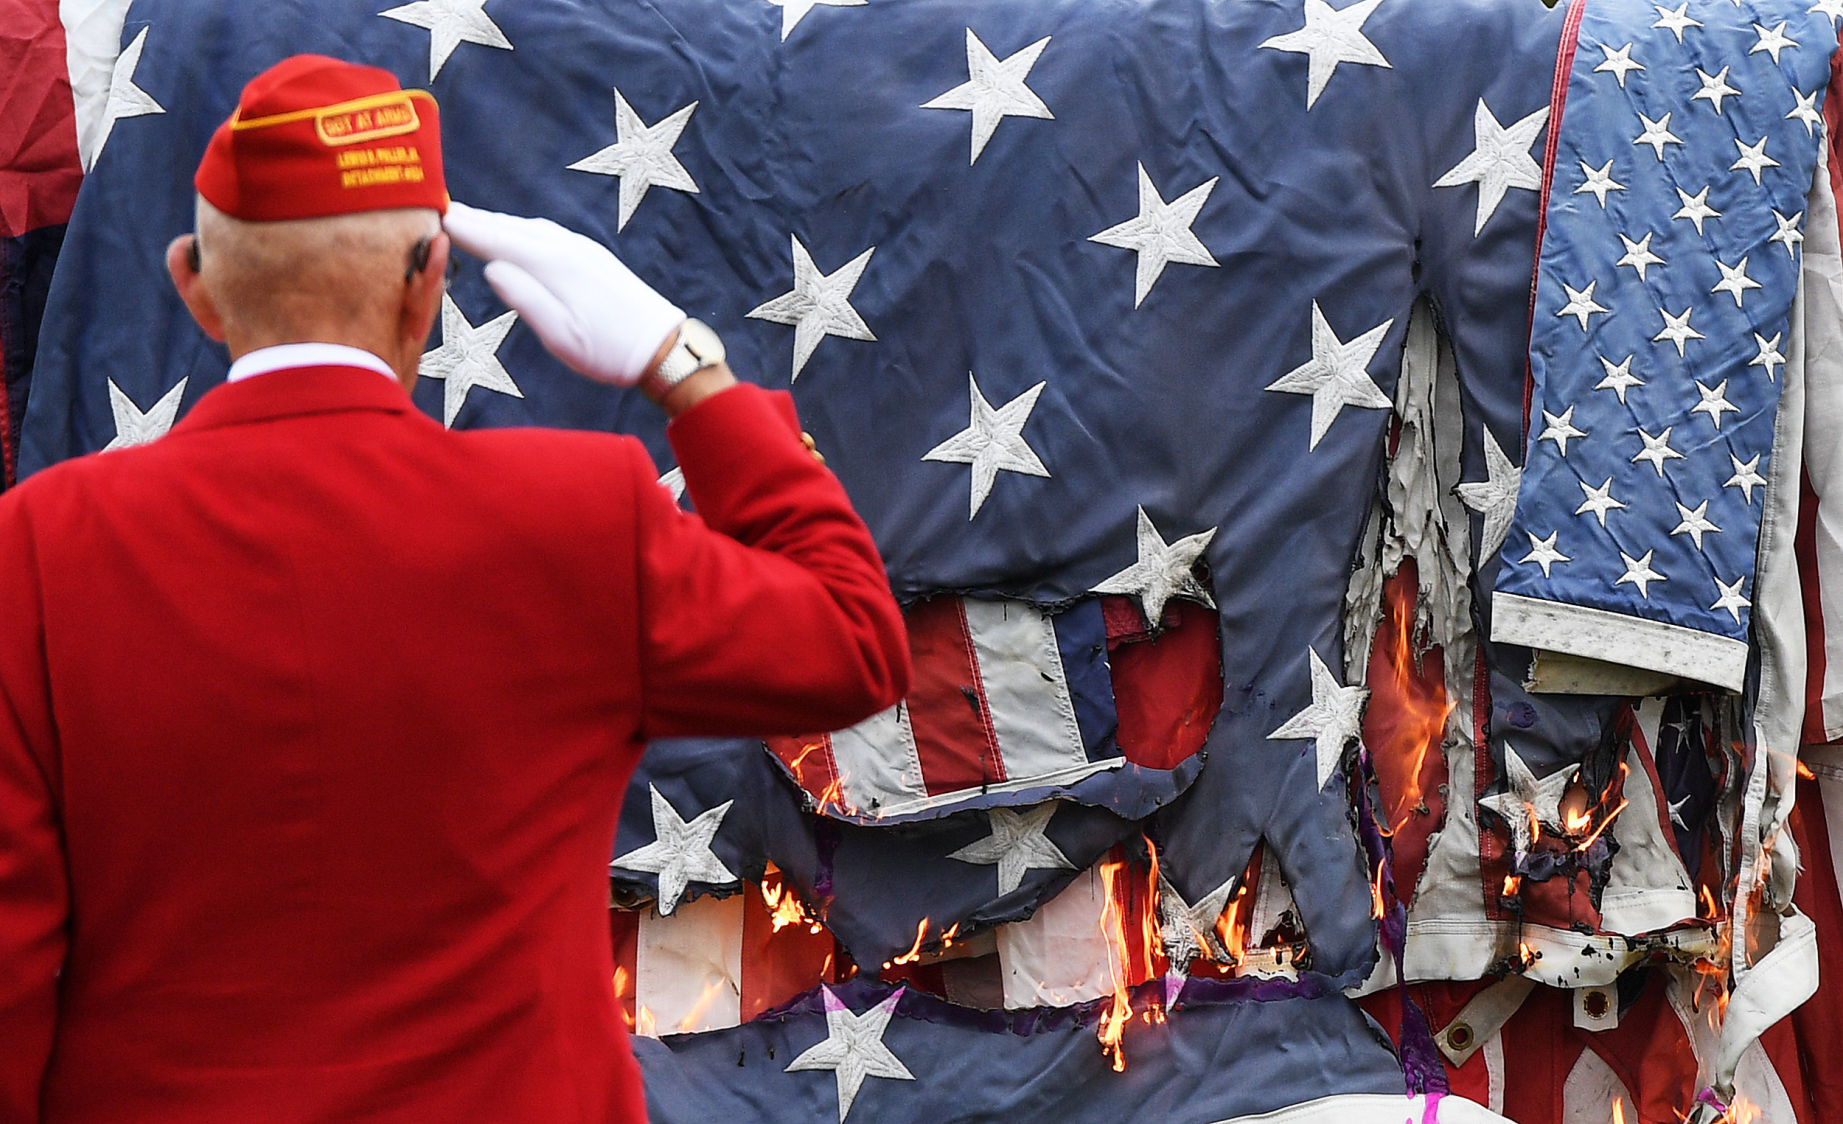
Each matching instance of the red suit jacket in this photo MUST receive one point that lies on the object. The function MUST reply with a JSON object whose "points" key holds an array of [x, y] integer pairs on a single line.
{"points": [[315, 720]]}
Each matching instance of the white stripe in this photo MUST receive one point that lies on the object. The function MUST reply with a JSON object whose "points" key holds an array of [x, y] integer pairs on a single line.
{"points": [[890, 809], [92, 42], [1061, 955], [1026, 689], [1817, 347], [1619, 638], [878, 765], [688, 967], [1494, 1072], [1826, 762]]}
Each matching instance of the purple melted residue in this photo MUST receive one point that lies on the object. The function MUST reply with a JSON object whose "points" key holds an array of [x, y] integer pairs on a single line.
{"points": [[1420, 1060]]}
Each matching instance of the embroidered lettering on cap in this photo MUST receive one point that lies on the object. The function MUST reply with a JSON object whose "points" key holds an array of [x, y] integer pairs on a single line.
{"points": [[350, 126]]}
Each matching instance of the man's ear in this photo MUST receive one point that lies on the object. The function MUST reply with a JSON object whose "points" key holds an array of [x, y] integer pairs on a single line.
{"points": [[182, 259], [422, 296]]}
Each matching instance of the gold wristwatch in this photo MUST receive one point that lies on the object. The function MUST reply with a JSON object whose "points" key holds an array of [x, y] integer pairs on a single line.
{"points": [[696, 348]]}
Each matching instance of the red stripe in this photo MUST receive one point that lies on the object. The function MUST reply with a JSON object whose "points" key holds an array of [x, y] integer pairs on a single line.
{"points": [[1810, 585], [1558, 100], [776, 966], [809, 758], [947, 702], [1819, 1021], [1491, 865], [1167, 689]]}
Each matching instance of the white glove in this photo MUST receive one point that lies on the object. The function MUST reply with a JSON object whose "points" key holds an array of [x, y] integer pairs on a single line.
{"points": [[588, 308]]}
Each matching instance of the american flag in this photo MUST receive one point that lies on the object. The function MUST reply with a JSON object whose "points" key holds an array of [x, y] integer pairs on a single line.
{"points": [[1668, 269], [1082, 301]]}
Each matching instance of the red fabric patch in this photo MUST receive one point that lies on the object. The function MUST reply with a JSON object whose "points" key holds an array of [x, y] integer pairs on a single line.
{"points": [[39, 165], [1167, 689]]}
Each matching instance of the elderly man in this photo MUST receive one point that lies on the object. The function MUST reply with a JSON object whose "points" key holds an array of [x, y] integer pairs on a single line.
{"points": [[315, 718]]}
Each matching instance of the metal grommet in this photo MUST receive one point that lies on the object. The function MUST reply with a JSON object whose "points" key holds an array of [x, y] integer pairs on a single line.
{"points": [[1459, 1036], [1596, 1004]]}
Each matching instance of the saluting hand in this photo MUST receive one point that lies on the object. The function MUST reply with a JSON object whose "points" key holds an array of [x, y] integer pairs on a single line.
{"points": [[588, 308]]}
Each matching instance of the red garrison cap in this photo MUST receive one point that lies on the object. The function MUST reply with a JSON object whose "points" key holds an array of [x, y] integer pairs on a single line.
{"points": [[314, 136]]}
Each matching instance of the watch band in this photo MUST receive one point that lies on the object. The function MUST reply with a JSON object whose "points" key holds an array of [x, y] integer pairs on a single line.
{"points": [[696, 348]]}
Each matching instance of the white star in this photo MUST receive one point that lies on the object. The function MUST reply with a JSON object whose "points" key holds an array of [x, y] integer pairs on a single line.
{"points": [[1162, 571], [1188, 931], [819, 304], [1806, 111], [1337, 375], [1599, 181], [134, 426], [1543, 552], [1638, 255], [680, 852], [1527, 801], [1769, 356], [1714, 402], [1333, 718], [1676, 21], [1559, 428], [995, 90], [450, 23], [993, 441], [1657, 134], [793, 11], [1753, 159], [641, 156], [853, 1048], [1619, 377], [1677, 329], [1678, 805], [1694, 523], [1494, 497], [1657, 450], [1831, 8], [1499, 160], [1714, 88], [1732, 601], [1788, 233], [1695, 208], [1017, 844], [1619, 62], [1599, 500], [125, 98], [1581, 303], [1772, 40], [467, 358], [1638, 572], [1328, 38], [1734, 280], [1746, 476], [1160, 234]]}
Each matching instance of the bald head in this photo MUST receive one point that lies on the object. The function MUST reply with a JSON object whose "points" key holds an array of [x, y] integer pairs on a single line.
{"points": [[339, 279]]}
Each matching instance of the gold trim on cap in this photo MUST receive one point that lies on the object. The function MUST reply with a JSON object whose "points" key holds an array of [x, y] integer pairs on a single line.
{"points": [[347, 132]]}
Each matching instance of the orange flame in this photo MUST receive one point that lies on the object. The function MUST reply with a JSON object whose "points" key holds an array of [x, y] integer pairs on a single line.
{"points": [[1423, 707], [1512, 885], [695, 1016], [621, 994], [1618, 1111], [1112, 1028], [646, 1025], [921, 938], [1743, 1111], [1375, 892], [1804, 771], [784, 906]]}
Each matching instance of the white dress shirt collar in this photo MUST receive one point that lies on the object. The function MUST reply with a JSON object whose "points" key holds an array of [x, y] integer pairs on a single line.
{"points": [[282, 356]]}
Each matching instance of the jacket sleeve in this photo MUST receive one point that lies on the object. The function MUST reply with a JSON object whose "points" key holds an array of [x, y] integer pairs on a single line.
{"points": [[768, 612], [34, 895]]}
